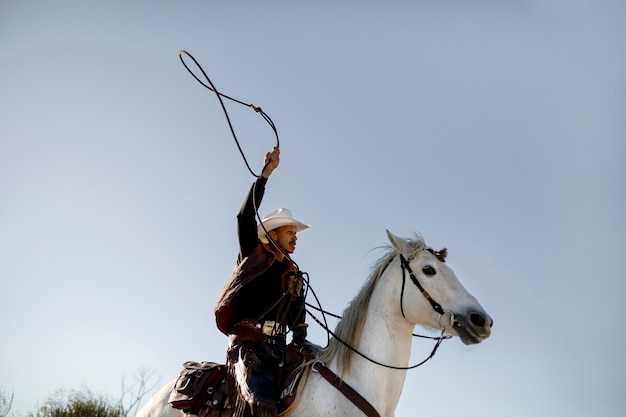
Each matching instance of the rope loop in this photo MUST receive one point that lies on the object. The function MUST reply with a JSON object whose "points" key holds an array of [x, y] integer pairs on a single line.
{"points": [[211, 87]]}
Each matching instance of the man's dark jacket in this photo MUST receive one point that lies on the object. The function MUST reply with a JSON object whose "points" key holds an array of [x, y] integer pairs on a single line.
{"points": [[255, 258]]}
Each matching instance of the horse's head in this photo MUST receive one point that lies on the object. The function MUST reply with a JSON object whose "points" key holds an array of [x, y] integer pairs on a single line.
{"points": [[430, 285]]}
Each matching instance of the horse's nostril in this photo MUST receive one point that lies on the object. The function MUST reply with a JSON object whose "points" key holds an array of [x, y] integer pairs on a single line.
{"points": [[477, 320]]}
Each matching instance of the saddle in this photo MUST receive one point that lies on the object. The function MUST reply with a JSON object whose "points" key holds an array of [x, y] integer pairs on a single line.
{"points": [[202, 388]]}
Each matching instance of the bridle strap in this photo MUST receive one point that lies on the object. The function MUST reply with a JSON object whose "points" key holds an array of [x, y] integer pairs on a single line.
{"points": [[342, 386], [406, 267]]}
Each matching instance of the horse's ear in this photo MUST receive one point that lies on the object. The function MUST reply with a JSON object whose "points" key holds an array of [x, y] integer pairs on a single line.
{"points": [[400, 244]]}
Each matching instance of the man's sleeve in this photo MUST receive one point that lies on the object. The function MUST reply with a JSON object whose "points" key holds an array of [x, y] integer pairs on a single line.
{"points": [[246, 218]]}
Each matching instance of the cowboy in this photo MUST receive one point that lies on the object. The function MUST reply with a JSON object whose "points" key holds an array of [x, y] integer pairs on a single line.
{"points": [[262, 301]]}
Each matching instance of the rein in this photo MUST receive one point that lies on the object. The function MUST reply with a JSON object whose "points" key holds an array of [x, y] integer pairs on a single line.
{"points": [[439, 339]]}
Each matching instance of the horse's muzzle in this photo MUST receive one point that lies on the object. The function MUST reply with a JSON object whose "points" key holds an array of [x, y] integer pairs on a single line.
{"points": [[473, 328]]}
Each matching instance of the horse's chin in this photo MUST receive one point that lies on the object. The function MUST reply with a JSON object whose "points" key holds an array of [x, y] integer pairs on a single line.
{"points": [[470, 340]]}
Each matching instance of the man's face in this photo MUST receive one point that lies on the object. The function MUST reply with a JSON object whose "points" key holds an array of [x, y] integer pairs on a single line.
{"points": [[285, 238]]}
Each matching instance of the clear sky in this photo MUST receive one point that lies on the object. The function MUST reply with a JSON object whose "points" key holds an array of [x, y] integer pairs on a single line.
{"points": [[494, 128]]}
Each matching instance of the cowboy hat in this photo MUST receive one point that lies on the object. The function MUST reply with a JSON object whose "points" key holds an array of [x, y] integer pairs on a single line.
{"points": [[278, 218]]}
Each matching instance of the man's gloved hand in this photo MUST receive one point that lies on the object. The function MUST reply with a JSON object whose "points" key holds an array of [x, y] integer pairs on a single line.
{"points": [[299, 338]]}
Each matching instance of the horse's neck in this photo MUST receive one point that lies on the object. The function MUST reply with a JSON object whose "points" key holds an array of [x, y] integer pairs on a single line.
{"points": [[386, 338]]}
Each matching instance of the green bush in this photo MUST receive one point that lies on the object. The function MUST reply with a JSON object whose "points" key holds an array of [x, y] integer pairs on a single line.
{"points": [[79, 404], [87, 404]]}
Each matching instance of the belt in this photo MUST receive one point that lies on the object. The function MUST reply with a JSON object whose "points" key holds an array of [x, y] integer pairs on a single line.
{"points": [[272, 328], [269, 328]]}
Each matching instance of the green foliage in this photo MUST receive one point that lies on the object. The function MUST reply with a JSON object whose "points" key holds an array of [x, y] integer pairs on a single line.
{"points": [[79, 404], [87, 404]]}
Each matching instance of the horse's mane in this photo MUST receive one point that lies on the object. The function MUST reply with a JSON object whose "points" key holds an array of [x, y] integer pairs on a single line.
{"points": [[350, 327]]}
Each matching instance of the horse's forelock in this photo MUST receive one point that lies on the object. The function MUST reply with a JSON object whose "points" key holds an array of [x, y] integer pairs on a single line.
{"points": [[440, 254]]}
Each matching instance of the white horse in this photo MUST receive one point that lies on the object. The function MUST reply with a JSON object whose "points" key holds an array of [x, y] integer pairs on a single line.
{"points": [[378, 323]]}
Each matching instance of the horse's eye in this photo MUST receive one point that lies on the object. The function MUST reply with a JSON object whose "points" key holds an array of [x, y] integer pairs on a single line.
{"points": [[429, 270]]}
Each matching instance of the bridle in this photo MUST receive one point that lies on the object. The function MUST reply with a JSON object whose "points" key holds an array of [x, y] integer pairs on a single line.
{"points": [[435, 305], [406, 267]]}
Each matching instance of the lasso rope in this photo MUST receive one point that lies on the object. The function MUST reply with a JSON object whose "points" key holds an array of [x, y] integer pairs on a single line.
{"points": [[210, 86]]}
